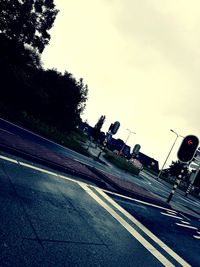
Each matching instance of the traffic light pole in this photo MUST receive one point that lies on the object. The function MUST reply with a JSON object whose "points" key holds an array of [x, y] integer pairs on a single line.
{"points": [[168, 156], [177, 182], [185, 154]]}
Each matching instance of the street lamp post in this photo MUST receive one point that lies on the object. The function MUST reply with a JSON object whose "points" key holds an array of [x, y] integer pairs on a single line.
{"points": [[177, 135], [130, 132]]}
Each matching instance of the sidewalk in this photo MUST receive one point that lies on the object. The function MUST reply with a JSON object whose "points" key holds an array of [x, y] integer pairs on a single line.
{"points": [[40, 153]]}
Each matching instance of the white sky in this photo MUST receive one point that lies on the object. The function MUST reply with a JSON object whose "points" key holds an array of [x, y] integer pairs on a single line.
{"points": [[141, 62]]}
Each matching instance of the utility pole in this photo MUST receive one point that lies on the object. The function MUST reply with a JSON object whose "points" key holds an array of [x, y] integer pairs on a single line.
{"points": [[177, 136], [130, 132]]}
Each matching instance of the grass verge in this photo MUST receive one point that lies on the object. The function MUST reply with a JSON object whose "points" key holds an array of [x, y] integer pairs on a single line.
{"points": [[72, 140], [121, 163]]}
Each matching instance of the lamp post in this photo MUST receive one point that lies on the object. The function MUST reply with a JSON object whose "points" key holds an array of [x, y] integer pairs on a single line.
{"points": [[177, 135], [130, 132]]}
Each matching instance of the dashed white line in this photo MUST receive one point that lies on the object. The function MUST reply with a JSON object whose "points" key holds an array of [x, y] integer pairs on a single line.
{"points": [[170, 215], [172, 212], [185, 222], [187, 226]]}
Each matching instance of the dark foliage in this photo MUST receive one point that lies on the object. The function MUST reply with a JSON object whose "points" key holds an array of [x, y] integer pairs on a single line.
{"points": [[60, 98], [55, 98], [176, 167], [27, 21], [27, 90]]}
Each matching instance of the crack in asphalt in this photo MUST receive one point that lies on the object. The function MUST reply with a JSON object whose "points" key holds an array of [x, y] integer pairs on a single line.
{"points": [[22, 206]]}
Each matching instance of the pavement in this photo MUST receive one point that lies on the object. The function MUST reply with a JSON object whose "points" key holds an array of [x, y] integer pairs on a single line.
{"points": [[49, 221], [39, 152], [27, 145]]}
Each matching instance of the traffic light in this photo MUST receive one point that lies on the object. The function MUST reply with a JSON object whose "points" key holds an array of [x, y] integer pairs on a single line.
{"points": [[114, 127], [188, 148]]}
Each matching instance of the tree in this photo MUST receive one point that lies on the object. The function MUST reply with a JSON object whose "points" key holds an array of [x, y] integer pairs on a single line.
{"points": [[100, 122], [176, 167], [97, 128], [28, 21], [60, 98], [26, 88]]}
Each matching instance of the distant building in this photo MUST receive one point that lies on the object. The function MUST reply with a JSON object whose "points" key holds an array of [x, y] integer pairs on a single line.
{"points": [[118, 144], [148, 162]]}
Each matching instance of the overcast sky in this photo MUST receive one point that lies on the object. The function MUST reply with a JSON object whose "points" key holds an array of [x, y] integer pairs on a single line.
{"points": [[141, 62]]}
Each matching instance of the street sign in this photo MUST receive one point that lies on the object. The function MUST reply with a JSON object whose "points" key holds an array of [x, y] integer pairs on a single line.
{"points": [[136, 149], [194, 166], [196, 159]]}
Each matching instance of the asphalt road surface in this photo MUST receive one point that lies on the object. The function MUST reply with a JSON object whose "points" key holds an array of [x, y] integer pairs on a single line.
{"points": [[49, 219], [144, 180]]}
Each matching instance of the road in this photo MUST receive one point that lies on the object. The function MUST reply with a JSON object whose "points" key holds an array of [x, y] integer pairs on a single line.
{"points": [[49, 219]]}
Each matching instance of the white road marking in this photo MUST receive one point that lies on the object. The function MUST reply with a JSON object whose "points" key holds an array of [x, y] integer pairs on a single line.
{"points": [[185, 222], [170, 215], [36, 168], [172, 212], [6, 131], [158, 241], [9, 159], [187, 226], [185, 217], [83, 162], [128, 227], [139, 201], [75, 181], [145, 230]]}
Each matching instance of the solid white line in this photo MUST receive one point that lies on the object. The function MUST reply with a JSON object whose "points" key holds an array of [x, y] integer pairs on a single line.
{"points": [[145, 230], [128, 227], [9, 159], [83, 162], [170, 215], [6, 131], [37, 168], [136, 200], [187, 226], [67, 178], [75, 181]]}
